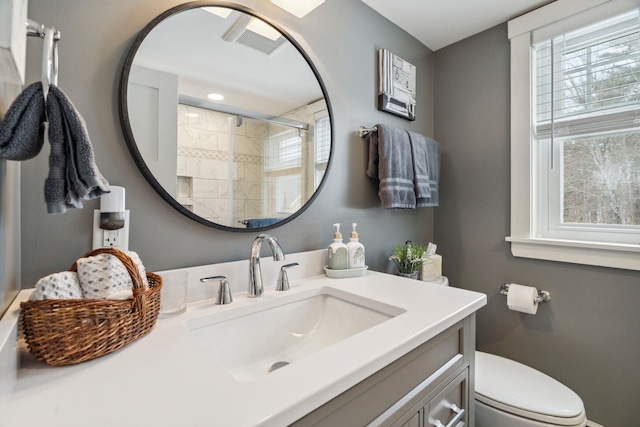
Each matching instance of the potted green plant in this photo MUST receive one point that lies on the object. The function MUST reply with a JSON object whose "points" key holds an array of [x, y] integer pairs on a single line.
{"points": [[408, 258]]}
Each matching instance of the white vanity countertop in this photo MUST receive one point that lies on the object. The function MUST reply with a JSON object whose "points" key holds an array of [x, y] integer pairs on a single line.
{"points": [[167, 378]]}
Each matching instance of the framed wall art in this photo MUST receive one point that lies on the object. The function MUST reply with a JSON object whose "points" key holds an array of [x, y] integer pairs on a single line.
{"points": [[397, 88]]}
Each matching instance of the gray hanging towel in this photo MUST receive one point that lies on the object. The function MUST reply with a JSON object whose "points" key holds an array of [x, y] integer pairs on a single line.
{"points": [[22, 130], [390, 161], [426, 169], [420, 157], [73, 173]]}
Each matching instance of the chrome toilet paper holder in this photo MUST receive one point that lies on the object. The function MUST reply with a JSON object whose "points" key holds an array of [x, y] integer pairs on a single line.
{"points": [[543, 296]]}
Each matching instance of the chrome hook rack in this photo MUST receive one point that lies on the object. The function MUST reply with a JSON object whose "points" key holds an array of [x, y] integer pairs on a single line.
{"points": [[38, 30]]}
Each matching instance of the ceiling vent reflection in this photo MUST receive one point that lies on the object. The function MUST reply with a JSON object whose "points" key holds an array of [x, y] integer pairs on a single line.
{"points": [[255, 34]]}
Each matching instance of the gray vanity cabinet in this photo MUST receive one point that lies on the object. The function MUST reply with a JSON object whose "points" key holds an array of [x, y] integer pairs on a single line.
{"points": [[431, 386]]}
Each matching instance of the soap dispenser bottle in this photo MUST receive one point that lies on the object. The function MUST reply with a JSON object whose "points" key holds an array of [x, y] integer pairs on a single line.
{"points": [[355, 249], [338, 252]]}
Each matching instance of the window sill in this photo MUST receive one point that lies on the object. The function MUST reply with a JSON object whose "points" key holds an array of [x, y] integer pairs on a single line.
{"points": [[624, 256]]}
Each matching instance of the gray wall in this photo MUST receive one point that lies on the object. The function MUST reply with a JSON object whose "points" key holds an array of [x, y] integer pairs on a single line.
{"points": [[587, 336], [342, 37], [9, 214]]}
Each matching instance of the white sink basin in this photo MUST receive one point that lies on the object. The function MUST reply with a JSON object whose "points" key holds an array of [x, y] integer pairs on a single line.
{"points": [[269, 335]]}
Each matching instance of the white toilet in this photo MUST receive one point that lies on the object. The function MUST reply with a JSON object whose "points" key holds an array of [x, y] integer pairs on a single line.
{"points": [[510, 394]]}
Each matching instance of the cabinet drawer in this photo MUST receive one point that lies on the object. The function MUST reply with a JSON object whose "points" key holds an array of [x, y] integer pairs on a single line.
{"points": [[448, 408]]}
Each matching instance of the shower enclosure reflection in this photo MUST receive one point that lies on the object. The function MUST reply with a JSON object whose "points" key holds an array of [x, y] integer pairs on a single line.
{"points": [[234, 169]]}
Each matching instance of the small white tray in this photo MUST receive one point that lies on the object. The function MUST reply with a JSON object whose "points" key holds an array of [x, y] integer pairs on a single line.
{"points": [[343, 274]]}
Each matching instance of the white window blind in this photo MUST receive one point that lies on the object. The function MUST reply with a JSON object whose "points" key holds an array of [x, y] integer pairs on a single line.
{"points": [[323, 139], [284, 150], [322, 136], [587, 81]]}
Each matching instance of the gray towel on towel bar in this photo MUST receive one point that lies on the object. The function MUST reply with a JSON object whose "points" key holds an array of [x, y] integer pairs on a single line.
{"points": [[426, 169], [260, 222], [73, 174], [420, 165], [390, 162], [22, 130]]}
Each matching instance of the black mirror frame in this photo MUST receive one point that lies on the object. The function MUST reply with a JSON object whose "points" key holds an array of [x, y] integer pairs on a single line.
{"points": [[130, 140]]}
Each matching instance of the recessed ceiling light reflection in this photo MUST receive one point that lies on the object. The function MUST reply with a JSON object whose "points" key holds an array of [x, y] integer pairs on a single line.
{"points": [[191, 115], [215, 97]]}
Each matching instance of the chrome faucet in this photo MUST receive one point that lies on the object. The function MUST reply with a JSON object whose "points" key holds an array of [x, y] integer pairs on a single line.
{"points": [[256, 289]]}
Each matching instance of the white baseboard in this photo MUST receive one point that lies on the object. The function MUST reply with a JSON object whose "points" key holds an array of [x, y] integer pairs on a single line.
{"points": [[592, 424]]}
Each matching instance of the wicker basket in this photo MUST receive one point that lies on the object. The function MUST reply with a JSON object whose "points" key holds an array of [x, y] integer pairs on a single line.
{"points": [[63, 332]]}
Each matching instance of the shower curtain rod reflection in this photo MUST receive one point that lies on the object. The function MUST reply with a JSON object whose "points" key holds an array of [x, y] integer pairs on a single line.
{"points": [[275, 120], [240, 113]]}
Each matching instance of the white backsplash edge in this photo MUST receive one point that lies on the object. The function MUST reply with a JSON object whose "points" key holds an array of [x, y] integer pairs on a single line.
{"points": [[8, 348], [311, 263]]}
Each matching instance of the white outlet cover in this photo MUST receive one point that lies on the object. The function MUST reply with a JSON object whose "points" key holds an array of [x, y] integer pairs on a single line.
{"points": [[99, 237]]}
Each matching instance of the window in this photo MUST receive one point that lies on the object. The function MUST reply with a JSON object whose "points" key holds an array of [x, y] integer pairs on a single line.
{"points": [[322, 135], [284, 150], [576, 133], [283, 164], [586, 130], [296, 159]]}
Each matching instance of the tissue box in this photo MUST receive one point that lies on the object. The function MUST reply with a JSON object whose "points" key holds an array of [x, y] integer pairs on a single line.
{"points": [[431, 267]]}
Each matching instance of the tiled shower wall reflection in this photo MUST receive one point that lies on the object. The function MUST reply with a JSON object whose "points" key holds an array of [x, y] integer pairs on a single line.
{"points": [[205, 166]]}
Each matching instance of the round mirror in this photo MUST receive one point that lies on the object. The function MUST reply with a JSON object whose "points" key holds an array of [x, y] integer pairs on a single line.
{"points": [[226, 116]]}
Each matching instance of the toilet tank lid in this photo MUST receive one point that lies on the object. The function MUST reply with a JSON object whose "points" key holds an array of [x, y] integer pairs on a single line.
{"points": [[519, 386]]}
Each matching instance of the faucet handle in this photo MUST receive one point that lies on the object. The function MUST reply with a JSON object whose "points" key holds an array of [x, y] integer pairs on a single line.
{"points": [[283, 278], [224, 292]]}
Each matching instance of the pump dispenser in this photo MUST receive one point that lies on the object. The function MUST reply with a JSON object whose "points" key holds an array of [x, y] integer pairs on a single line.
{"points": [[355, 249], [338, 252]]}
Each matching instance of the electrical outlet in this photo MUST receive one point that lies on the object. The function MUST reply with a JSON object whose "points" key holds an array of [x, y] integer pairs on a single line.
{"points": [[111, 238], [118, 239]]}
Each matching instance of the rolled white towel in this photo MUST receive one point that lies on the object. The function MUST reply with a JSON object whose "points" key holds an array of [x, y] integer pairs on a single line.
{"points": [[121, 295], [136, 260], [102, 275], [63, 285]]}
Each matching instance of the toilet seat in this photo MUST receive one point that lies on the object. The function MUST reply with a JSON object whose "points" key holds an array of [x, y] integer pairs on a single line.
{"points": [[523, 391]]}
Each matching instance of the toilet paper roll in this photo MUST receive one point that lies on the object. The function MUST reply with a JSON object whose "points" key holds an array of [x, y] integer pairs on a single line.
{"points": [[522, 298]]}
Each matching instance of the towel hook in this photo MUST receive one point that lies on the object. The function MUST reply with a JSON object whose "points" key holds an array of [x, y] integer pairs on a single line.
{"points": [[49, 74], [35, 29]]}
